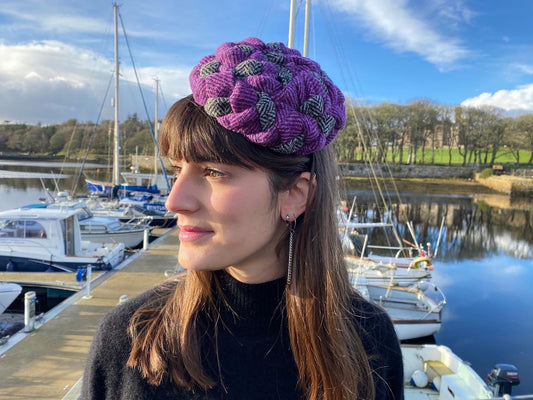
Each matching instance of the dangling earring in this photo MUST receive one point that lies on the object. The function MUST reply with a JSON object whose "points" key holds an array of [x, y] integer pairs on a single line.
{"points": [[292, 227]]}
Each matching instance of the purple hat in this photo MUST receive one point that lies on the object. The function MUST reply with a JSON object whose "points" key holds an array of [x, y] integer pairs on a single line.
{"points": [[271, 94]]}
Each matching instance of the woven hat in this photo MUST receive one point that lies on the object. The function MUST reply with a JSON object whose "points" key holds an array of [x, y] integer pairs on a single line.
{"points": [[271, 94]]}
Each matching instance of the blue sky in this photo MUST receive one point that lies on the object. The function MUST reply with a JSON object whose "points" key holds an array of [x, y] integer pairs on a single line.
{"points": [[57, 55]]}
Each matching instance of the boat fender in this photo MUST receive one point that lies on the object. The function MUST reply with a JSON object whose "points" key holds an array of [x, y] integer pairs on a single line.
{"points": [[10, 267], [81, 275], [419, 379], [422, 262]]}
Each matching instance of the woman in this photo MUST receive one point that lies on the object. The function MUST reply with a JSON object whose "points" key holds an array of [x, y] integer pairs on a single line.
{"points": [[265, 309]]}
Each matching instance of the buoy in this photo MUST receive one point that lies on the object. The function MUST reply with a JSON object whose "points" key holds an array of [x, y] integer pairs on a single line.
{"points": [[419, 379], [422, 262]]}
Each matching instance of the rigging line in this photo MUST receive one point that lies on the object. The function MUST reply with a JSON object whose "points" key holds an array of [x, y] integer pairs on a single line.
{"points": [[338, 51], [68, 147], [91, 137], [144, 104], [162, 95], [263, 20]]}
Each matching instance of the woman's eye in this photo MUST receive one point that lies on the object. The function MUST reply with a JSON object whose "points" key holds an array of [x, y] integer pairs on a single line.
{"points": [[213, 173], [176, 169]]}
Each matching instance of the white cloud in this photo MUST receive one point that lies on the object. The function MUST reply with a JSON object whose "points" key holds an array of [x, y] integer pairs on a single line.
{"points": [[51, 82], [43, 16], [524, 68], [397, 26], [520, 99]]}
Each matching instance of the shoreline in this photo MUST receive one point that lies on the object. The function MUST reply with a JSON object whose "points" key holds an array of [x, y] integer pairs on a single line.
{"points": [[463, 186]]}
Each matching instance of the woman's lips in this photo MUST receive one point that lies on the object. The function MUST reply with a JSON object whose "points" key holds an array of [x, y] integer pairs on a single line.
{"points": [[192, 233]]}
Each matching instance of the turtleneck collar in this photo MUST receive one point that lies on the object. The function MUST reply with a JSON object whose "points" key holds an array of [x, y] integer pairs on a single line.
{"points": [[256, 306]]}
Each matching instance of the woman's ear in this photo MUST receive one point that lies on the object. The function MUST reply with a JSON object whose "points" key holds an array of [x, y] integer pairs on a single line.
{"points": [[293, 201]]}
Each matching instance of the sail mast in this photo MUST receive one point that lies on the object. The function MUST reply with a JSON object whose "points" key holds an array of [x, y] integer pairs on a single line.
{"points": [[292, 18], [156, 130], [306, 27], [116, 149]]}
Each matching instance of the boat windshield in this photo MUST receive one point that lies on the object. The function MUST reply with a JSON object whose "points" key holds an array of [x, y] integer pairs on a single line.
{"points": [[10, 228]]}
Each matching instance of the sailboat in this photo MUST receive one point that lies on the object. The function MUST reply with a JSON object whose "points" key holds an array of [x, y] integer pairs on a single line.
{"points": [[135, 200]]}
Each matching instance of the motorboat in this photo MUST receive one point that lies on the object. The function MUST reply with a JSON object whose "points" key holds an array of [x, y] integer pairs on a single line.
{"points": [[8, 293], [111, 229], [134, 210], [48, 239], [101, 228], [381, 273], [413, 312], [434, 372]]}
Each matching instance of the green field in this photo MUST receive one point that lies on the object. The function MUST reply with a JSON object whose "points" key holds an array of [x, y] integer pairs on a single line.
{"points": [[442, 157]]}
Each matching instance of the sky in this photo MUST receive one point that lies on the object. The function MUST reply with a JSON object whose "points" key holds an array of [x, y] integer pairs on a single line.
{"points": [[56, 56]]}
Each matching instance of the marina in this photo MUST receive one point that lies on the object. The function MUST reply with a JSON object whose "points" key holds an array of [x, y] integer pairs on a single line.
{"points": [[484, 266]]}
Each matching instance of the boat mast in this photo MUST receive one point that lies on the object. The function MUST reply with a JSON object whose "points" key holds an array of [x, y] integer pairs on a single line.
{"points": [[306, 27], [116, 153], [156, 131], [292, 17]]}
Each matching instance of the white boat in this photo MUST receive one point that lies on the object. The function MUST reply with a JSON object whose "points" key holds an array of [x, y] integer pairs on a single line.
{"points": [[413, 313], [433, 372], [103, 228], [111, 229], [41, 239], [8, 293], [131, 211], [380, 273]]}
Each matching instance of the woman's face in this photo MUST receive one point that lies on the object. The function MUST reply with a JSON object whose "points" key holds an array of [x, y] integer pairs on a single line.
{"points": [[227, 220]]}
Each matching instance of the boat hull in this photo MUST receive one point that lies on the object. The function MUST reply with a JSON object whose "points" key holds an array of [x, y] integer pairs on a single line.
{"points": [[8, 293], [131, 239], [13, 263]]}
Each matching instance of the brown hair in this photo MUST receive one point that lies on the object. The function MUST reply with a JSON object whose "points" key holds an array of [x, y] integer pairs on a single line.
{"points": [[331, 361]]}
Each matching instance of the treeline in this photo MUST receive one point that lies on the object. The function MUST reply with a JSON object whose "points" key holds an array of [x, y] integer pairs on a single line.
{"points": [[73, 139], [426, 133], [417, 133]]}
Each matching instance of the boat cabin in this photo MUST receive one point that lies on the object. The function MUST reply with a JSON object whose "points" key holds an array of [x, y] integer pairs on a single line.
{"points": [[58, 231]]}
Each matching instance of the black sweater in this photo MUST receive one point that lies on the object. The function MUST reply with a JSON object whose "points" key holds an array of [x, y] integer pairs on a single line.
{"points": [[254, 351]]}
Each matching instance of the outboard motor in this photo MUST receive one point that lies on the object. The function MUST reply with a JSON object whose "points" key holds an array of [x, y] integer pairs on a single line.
{"points": [[502, 378]]}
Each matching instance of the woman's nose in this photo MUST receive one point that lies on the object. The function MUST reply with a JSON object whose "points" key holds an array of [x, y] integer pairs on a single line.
{"points": [[181, 197]]}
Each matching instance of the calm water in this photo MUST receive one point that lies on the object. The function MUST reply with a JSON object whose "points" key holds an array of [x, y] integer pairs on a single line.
{"points": [[484, 265], [484, 262]]}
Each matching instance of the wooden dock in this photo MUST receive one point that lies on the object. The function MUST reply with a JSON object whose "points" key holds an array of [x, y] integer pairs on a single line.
{"points": [[48, 362]]}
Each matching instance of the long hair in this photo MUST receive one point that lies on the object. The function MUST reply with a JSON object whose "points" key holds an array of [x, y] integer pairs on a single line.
{"points": [[331, 361]]}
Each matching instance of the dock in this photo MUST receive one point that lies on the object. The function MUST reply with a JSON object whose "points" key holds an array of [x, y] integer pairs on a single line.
{"points": [[48, 362]]}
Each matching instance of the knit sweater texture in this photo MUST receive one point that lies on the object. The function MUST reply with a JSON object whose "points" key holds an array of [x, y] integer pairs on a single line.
{"points": [[254, 359]]}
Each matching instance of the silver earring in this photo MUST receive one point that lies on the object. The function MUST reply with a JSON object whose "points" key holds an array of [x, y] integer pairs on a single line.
{"points": [[292, 227]]}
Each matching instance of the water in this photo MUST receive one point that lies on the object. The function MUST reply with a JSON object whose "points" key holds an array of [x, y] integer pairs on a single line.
{"points": [[484, 265], [484, 261]]}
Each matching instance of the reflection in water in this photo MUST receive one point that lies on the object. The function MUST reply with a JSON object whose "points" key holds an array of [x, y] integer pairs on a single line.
{"points": [[470, 230], [54, 176]]}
